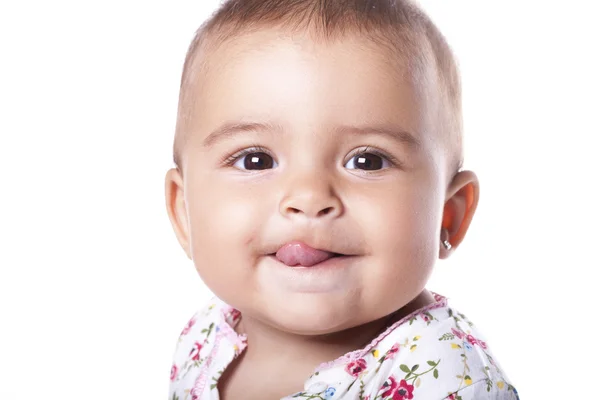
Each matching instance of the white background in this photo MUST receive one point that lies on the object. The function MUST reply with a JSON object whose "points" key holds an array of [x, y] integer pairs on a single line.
{"points": [[94, 288]]}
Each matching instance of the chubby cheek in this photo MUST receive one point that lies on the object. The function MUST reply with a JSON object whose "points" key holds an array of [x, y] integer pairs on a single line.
{"points": [[402, 230], [224, 227]]}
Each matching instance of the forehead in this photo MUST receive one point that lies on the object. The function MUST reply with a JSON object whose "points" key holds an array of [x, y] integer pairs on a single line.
{"points": [[299, 83]]}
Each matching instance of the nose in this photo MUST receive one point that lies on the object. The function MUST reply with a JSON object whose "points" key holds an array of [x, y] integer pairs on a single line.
{"points": [[311, 196]]}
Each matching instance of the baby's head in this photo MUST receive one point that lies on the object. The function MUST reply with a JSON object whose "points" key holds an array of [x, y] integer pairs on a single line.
{"points": [[336, 124]]}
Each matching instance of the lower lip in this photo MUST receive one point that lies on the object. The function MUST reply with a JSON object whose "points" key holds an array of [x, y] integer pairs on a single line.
{"points": [[332, 262]]}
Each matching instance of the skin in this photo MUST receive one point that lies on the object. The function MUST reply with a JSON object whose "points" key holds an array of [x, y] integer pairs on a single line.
{"points": [[389, 220]]}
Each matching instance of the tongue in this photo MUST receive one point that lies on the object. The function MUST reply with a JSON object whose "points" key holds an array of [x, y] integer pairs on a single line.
{"points": [[298, 253]]}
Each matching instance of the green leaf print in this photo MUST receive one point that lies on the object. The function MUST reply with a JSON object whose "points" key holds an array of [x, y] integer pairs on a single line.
{"points": [[413, 375], [446, 336], [353, 382], [361, 393]]}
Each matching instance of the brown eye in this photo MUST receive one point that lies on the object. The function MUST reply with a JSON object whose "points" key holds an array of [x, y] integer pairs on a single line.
{"points": [[255, 161], [367, 162]]}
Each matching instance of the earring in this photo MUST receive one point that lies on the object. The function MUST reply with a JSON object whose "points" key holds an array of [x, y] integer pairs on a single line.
{"points": [[447, 245]]}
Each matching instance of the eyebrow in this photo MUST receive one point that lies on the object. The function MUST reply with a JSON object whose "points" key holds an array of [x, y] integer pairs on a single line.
{"points": [[235, 128], [394, 133], [231, 129]]}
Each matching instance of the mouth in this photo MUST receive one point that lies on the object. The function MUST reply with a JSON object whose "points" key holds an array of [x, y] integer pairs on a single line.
{"points": [[322, 263], [300, 254]]}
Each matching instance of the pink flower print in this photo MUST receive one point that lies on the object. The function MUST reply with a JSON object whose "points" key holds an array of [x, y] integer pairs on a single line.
{"points": [[354, 368], [476, 341], [235, 315], [195, 352], [471, 339], [187, 328], [451, 396], [173, 372], [392, 352], [458, 334], [425, 317], [397, 390], [388, 387], [403, 391]]}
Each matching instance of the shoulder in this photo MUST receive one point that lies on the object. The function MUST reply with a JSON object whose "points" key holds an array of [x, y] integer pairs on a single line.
{"points": [[194, 344], [438, 353], [201, 320]]}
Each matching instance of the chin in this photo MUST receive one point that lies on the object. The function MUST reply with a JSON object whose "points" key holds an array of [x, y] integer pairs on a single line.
{"points": [[309, 317]]}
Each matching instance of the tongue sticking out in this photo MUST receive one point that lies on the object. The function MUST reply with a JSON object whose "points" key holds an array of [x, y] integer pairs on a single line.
{"points": [[296, 253]]}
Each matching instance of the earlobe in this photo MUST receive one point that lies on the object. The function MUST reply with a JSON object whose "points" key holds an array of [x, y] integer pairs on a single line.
{"points": [[461, 203], [176, 208]]}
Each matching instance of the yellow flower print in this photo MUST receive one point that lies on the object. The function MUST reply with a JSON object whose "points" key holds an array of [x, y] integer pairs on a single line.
{"points": [[455, 346], [500, 385], [375, 353]]}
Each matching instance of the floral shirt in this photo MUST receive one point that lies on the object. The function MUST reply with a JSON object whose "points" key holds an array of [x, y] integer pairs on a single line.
{"points": [[434, 353]]}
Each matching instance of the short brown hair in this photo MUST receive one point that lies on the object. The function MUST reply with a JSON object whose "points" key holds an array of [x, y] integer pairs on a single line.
{"points": [[399, 25]]}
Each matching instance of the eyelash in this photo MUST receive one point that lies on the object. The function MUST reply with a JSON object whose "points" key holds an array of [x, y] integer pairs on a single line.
{"points": [[372, 150], [230, 160]]}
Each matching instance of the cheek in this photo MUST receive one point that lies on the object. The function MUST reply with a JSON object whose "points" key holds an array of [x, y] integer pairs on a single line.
{"points": [[224, 224], [402, 223], [401, 227]]}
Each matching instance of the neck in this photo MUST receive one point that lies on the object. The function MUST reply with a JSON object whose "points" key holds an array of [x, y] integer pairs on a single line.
{"points": [[268, 346]]}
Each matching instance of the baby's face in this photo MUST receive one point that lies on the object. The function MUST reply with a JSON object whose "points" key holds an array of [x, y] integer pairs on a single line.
{"points": [[295, 172]]}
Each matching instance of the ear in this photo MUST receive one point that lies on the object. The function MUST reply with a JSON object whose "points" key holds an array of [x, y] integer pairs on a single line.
{"points": [[462, 198], [176, 208]]}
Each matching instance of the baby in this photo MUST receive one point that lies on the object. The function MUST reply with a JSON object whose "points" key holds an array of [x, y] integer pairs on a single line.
{"points": [[319, 177]]}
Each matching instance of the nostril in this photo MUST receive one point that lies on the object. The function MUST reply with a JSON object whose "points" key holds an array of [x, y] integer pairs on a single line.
{"points": [[311, 212], [326, 211]]}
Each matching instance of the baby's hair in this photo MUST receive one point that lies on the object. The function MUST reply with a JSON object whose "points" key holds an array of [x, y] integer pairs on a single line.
{"points": [[398, 26]]}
